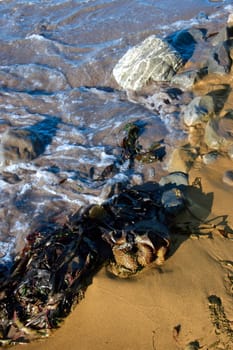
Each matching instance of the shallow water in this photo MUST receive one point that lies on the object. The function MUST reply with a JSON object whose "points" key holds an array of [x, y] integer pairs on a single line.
{"points": [[56, 62]]}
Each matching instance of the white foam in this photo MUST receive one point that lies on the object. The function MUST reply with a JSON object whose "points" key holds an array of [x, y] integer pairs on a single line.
{"points": [[3, 184], [184, 24], [90, 199], [14, 167], [26, 187], [66, 147], [42, 176], [36, 37], [120, 177], [19, 227], [106, 159], [6, 249]]}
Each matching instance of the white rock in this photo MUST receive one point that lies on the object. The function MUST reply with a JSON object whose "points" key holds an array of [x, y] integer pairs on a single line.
{"points": [[18, 144], [230, 18], [152, 60]]}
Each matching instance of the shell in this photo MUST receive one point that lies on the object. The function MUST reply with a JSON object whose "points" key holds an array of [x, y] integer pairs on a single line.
{"points": [[145, 254], [125, 258], [119, 271], [161, 255], [113, 240]]}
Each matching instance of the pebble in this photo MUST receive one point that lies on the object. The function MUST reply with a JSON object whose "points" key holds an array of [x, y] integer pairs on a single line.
{"points": [[192, 346], [136, 179], [228, 177], [178, 178], [172, 201], [210, 157], [199, 110]]}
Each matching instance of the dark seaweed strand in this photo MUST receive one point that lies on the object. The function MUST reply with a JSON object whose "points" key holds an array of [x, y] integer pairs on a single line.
{"points": [[47, 276], [52, 272]]}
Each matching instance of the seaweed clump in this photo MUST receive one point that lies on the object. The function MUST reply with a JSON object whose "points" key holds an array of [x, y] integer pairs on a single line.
{"points": [[51, 274], [133, 150]]}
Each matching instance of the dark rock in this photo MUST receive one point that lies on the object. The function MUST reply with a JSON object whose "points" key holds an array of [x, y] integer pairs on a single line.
{"points": [[185, 80], [10, 178], [219, 97], [184, 42], [147, 139], [199, 110], [228, 177], [219, 133], [157, 98], [32, 77], [220, 61], [229, 28], [20, 144], [173, 201]]}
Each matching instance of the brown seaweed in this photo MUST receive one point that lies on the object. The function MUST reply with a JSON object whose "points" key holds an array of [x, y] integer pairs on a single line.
{"points": [[51, 274], [132, 149]]}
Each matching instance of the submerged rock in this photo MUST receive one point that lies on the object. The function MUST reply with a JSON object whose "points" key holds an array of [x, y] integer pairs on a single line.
{"points": [[32, 77], [20, 144], [220, 61], [199, 110], [173, 201], [158, 98], [219, 134], [152, 60], [185, 80], [184, 41], [137, 144]]}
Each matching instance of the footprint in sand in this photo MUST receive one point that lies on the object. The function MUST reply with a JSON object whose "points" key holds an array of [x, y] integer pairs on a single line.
{"points": [[228, 264], [221, 323]]}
